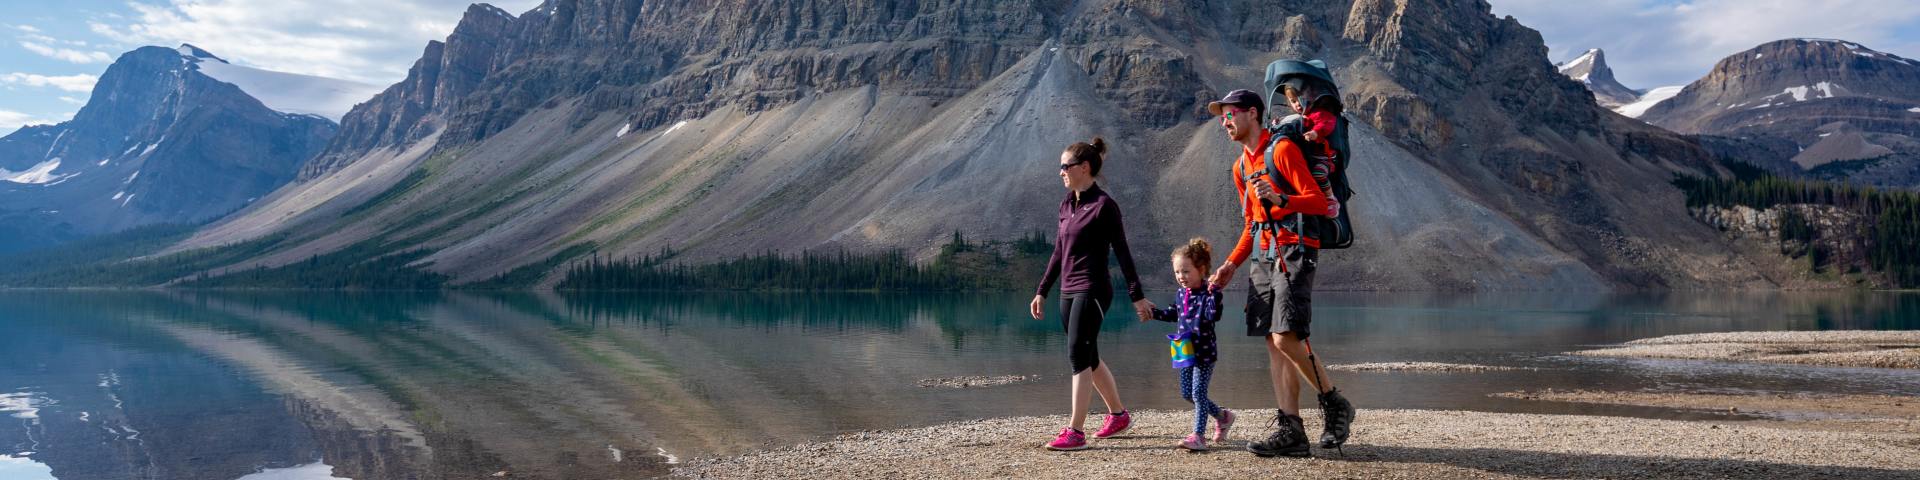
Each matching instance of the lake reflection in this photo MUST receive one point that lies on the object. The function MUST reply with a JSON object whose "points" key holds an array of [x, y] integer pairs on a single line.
{"points": [[104, 385]]}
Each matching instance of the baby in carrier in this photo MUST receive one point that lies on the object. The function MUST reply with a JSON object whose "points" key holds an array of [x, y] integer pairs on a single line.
{"points": [[1318, 111]]}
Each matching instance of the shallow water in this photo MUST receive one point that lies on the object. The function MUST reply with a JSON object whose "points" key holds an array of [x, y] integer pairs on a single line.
{"points": [[103, 385]]}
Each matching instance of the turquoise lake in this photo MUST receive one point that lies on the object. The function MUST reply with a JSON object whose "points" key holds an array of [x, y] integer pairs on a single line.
{"points": [[295, 385]]}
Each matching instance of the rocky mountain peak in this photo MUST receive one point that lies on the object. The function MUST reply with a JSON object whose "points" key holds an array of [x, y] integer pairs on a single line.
{"points": [[1590, 68], [160, 140]]}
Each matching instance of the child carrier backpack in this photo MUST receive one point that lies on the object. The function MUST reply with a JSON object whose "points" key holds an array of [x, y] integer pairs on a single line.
{"points": [[1316, 86]]}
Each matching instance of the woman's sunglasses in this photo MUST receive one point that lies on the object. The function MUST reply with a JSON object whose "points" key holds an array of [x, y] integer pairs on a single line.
{"points": [[1075, 163]]}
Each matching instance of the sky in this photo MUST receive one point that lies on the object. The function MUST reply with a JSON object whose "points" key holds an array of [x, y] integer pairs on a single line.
{"points": [[51, 52], [1656, 43]]}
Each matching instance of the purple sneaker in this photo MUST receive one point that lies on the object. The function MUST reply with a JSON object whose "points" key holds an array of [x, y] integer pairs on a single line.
{"points": [[1116, 423], [1221, 425], [1068, 440]]}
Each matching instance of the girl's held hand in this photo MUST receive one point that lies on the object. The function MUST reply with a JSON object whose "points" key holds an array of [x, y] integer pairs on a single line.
{"points": [[1222, 276], [1034, 308]]}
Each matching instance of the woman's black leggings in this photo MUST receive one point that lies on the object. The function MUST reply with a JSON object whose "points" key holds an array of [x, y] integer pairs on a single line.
{"points": [[1081, 313]]}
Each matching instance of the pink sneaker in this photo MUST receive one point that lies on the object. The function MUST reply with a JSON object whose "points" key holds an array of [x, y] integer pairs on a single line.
{"points": [[1068, 440], [1221, 425], [1194, 442], [1116, 423]]}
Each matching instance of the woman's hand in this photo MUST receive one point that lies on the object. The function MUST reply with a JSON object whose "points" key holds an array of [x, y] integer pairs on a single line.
{"points": [[1034, 308], [1143, 308], [1222, 276]]}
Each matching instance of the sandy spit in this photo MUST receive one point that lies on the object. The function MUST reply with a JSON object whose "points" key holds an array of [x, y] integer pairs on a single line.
{"points": [[1876, 349]]}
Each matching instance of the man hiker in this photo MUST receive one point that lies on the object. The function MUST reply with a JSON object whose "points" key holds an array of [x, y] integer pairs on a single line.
{"points": [[1279, 306]]}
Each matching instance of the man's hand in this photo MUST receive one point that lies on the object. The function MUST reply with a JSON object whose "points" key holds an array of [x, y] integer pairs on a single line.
{"points": [[1265, 191], [1222, 276]]}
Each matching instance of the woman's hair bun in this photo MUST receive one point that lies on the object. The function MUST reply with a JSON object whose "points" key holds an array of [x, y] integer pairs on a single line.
{"points": [[1099, 146]]}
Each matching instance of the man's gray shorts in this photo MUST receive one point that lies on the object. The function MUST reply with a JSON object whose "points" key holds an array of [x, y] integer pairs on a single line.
{"points": [[1291, 281]]}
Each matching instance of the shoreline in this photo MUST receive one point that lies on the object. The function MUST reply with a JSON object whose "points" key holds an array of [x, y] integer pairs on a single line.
{"points": [[1386, 444]]}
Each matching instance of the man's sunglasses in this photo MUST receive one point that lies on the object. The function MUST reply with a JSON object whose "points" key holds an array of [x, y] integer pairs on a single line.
{"points": [[1229, 111]]}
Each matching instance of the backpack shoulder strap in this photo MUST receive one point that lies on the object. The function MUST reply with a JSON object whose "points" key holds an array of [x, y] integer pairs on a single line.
{"points": [[1273, 167]]}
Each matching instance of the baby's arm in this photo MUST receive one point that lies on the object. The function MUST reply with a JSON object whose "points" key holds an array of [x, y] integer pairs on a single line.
{"points": [[1323, 123]]}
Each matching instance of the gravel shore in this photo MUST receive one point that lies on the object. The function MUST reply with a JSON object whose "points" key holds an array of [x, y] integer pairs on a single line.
{"points": [[1386, 444], [1877, 349], [1783, 406]]}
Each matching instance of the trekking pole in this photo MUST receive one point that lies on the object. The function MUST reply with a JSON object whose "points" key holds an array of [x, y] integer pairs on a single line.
{"points": [[1314, 363]]}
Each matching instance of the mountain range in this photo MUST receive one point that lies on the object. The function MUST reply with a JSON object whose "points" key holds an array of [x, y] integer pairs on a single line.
{"points": [[612, 129], [526, 141], [1838, 109], [1817, 108]]}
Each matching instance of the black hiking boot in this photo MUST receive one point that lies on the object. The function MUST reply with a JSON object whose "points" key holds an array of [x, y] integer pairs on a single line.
{"points": [[1339, 416], [1289, 439]]}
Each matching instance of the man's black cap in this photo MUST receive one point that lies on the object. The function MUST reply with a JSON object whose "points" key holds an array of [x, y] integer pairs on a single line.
{"points": [[1239, 98]]}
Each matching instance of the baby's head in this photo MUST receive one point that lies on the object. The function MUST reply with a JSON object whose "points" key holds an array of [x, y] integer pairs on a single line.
{"points": [[1301, 96], [1292, 93], [1191, 263]]}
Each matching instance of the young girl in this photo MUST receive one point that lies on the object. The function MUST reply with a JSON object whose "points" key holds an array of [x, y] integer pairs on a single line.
{"points": [[1195, 310]]}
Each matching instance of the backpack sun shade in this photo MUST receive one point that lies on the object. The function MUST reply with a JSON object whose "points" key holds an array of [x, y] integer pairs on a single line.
{"points": [[1316, 86]]}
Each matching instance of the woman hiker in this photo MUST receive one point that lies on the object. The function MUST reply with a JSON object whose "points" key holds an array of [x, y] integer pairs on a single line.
{"points": [[1089, 225]]}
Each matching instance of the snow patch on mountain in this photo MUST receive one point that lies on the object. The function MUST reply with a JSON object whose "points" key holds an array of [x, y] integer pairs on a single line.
{"points": [[1648, 100], [286, 92], [40, 173]]}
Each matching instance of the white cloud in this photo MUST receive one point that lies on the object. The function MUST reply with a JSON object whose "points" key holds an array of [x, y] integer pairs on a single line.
{"points": [[1651, 43], [66, 54], [73, 100], [27, 28], [372, 41], [11, 120], [72, 83]]}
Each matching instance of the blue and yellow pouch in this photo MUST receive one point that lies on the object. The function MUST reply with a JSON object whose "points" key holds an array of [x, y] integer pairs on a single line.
{"points": [[1181, 346]]}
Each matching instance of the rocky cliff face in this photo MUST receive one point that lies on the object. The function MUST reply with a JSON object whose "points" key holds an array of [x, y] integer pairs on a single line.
{"points": [[158, 142], [663, 61], [1591, 69], [1824, 240], [791, 125]]}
